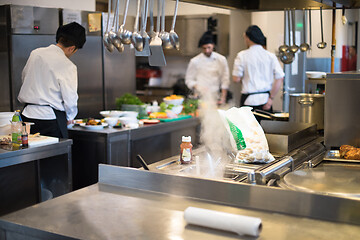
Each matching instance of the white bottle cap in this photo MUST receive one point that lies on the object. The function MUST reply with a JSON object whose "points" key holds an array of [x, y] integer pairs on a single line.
{"points": [[186, 139]]}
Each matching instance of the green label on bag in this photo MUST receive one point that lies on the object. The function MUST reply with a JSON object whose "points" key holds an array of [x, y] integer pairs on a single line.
{"points": [[237, 135]]}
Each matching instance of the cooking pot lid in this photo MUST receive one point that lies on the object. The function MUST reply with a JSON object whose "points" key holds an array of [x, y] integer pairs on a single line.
{"points": [[331, 179]]}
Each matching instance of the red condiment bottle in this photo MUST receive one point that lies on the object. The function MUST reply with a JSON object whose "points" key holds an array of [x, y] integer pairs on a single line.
{"points": [[186, 150]]}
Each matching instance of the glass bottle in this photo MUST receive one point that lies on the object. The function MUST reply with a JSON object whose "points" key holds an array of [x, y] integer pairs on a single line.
{"points": [[24, 137], [186, 150], [16, 128]]}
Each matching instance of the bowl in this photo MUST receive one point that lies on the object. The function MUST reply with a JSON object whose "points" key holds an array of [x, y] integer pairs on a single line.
{"points": [[128, 120], [131, 114], [5, 118], [177, 109], [111, 113], [174, 102], [313, 74], [112, 121]]}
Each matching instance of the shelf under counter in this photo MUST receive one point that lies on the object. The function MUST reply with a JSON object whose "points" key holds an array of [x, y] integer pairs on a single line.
{"points": [[26, 172]]}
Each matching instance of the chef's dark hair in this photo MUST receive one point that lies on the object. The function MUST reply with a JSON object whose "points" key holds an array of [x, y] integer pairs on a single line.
{"points": [[72, 34], [255, 34], [206, 38]]}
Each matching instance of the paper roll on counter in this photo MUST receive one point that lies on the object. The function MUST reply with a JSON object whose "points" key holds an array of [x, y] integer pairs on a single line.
{"points": [[242, 225]]}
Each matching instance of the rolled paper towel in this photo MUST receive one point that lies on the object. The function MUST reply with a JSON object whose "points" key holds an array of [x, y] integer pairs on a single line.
{"points": [[242, 225]]}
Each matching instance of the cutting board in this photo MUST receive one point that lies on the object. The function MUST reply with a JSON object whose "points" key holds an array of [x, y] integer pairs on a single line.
{"points": [[41, 140], [180, 117]]}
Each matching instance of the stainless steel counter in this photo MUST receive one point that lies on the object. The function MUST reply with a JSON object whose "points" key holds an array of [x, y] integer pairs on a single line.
{"points": [[26, 173], [120, 146], [135, 204]]}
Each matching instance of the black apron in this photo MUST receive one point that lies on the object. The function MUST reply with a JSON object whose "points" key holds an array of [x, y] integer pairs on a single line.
{"points": [[244, 96], [60, 119]]}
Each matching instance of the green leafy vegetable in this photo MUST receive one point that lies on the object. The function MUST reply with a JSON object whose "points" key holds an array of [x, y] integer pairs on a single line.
{"points": [[190, 105], [129, 99]]}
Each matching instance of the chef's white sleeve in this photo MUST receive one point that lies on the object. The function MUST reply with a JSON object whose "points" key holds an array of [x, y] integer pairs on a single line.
{"points": [[238, 68], [225, 76], [278, 71], [190, 76], [68, 85]]}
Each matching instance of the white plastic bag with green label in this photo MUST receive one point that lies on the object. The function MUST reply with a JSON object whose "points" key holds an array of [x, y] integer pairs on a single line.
{"points": [[246, 135]]}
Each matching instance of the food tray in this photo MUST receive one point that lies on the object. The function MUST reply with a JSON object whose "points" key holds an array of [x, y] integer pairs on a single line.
{"points": [[334, 155]]}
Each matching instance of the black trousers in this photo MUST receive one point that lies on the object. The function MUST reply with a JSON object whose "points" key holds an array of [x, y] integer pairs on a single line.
{"points": [[45, 127]]}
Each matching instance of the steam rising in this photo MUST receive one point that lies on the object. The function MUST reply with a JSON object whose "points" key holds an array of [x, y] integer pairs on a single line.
{"points": [[213, 136]]}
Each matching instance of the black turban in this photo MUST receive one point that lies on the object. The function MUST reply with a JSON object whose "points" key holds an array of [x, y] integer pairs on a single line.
{"points": [[206, 38], [255, 34], [73, 32]]}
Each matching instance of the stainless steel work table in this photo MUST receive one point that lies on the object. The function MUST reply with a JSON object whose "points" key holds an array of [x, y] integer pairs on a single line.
{"points": [[135, 204], [119, 147], [25, 172]]}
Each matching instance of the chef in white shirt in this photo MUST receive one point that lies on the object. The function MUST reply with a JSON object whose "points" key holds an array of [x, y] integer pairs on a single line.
{"points": [[208, 72], [49, 89], [257, 68]]}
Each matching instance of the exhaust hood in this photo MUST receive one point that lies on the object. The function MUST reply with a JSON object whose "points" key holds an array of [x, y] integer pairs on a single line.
{"points": [[272, 5]]}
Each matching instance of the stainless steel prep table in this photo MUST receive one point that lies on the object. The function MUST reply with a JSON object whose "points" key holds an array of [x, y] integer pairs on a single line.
{"points": [[135, 204], [24, 172], [120, 146]]}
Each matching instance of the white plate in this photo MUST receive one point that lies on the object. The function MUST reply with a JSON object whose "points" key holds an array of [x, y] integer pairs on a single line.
{"points": [[93, 127]]}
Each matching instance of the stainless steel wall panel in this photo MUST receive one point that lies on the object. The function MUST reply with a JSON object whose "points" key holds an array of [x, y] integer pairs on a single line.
{"points": [[4, 61], [342, 114], [90, 85], [22, 45], [119, 75], [24, 18]]}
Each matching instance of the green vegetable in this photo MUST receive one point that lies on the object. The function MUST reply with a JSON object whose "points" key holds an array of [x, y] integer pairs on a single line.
{"points": [[190, 105], [129, 99], [164, 107]]}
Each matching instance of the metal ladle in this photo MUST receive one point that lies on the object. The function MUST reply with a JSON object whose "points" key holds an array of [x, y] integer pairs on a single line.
{"points": [[304, 46], [288, 56], [152, 33], [294, 48], [106, 39], [284, 47], [145, 36], [165, 36], [321, 44], [310, 31], [115, 39], [137, 39], [174, 38], [125, 35]]}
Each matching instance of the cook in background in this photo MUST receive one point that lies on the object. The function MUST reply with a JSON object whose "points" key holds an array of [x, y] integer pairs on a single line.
{"points": [[257, 68], [352, 58], [208, 72], [49, 88]]}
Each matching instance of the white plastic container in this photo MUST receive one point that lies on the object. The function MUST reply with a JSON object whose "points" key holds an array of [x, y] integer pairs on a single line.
{"points": [[5, 125]]}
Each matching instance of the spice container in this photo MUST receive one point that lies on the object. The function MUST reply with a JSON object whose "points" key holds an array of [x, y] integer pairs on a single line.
{"points": [[186, 150]]}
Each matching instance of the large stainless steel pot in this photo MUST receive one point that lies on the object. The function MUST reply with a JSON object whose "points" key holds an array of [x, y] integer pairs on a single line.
{"points": [[307, 108]]}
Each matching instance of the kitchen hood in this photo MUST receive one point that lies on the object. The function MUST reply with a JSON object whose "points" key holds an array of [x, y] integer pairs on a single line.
{"points": [[273, 5]]}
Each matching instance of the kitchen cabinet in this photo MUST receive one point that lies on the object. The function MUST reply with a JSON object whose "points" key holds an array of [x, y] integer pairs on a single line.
{"points": [[31, 175]]}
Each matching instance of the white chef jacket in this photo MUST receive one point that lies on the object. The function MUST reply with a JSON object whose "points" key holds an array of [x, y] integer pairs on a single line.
{"points": [[49, 78], [211, 73], [257, 67]]}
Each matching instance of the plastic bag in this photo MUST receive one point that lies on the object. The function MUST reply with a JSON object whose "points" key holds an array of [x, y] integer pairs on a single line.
{"points": [[247, 137]]}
